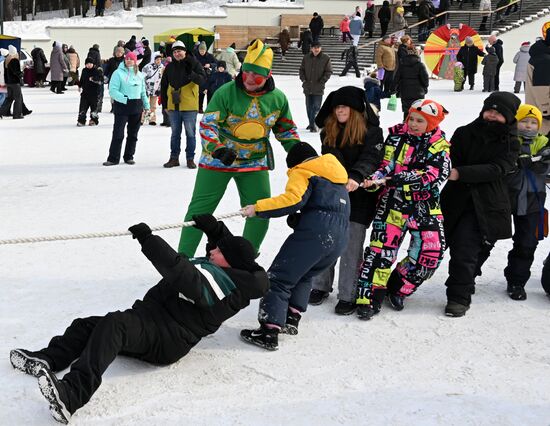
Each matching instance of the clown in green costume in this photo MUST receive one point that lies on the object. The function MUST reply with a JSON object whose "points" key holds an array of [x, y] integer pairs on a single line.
{"points": [[235, 131]]}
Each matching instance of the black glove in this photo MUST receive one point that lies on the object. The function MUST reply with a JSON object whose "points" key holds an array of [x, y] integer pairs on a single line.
{"points": [[205, 222], [293, 219], [524, 161], [225, 155], [140, 231]]}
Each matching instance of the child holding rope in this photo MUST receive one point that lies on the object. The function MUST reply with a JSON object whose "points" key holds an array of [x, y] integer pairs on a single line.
{"points": [[194, 297], [416, 164]]}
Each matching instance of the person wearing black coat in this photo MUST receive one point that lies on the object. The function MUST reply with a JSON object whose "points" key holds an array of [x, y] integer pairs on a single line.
{"points": [[425, 12], [89, 86], [384, 16], [316, 26], [306, 40], [468, 55], [12, 77], [368, 20], [131, 44], [351, 61], [94, 54], [192, 300], [208, 63], [39, 63], [497, 44], [146, 56], [475, 201], [360, 158], [412, 81], [217, 79]]}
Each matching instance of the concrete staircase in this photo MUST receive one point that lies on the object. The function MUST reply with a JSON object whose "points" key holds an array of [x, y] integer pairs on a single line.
{"points": [[333, 46]]}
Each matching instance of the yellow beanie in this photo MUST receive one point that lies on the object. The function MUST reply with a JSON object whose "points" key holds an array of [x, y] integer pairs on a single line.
{"points": [[259, 58], [529, 111]]}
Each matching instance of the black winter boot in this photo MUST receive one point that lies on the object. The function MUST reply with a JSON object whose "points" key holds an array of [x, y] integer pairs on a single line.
{"points": [[28, 362], [267, 338], [366, 312], [57, 395], [396, 301], [345, 308], [316, 297], [516, 292], [455, 309], [291, 325]]}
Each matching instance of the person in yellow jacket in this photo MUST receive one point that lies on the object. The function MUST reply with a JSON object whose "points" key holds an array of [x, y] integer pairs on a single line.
{"points": [[317, 188], [179, 90]]}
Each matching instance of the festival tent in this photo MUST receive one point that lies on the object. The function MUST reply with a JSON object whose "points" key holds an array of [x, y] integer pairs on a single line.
{"points": [[189, 36], [6, 40]]}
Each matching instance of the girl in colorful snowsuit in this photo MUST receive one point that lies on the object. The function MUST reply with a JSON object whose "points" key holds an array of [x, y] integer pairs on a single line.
{"points": [[416, 164]]}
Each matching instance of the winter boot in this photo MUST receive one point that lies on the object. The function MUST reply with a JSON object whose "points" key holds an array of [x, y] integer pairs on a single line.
{"points": [[80, 124], [263, 337], [57, 395], [316, 297], [396, 301], [345, 308], [191, 164], [28, 362], [516, 292], [109, 163], [455, 309], [366, 312], [173, 162], [131, 162], [291, 325]]}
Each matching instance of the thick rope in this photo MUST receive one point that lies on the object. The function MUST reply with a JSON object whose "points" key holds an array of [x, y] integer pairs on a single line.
{"points": [[106, 234]]}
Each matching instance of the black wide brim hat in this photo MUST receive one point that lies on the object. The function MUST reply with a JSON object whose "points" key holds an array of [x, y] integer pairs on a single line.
{"points": [[351, 96]]}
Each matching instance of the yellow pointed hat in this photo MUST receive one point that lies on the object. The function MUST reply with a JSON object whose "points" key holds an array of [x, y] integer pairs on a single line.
{"points": [[259, 58]]}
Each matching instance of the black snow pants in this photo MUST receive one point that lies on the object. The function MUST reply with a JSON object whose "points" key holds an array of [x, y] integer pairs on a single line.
{"points": [[88, 102], [91, 345]]}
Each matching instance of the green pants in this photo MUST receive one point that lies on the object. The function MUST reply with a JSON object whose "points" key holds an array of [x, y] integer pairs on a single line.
{"points": [[210, 185]]}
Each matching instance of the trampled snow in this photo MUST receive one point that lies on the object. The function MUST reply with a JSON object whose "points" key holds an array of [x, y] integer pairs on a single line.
{"points": [[402, 368]]}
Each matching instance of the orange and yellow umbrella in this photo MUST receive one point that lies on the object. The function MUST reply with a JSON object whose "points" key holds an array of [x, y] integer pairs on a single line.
{"points": [[443, 45], [545, 28]]}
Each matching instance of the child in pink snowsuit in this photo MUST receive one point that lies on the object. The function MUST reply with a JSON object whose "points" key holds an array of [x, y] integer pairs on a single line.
{"points": [[416, 164]]}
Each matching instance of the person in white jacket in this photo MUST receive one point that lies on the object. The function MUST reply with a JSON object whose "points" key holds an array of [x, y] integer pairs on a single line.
{"points": [[153, 74], [521, 59]]}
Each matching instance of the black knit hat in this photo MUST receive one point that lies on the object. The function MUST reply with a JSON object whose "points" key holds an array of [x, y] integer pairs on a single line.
{"points": [[505, 103], [88, 61], [351, 96], [222, 64], [239, 253], [299, 153]]}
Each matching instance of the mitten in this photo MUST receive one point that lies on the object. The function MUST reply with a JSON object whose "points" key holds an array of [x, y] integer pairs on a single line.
{"points": [[524, 161], [293, 219], [140, 232], [225, 155], [205, 222]]}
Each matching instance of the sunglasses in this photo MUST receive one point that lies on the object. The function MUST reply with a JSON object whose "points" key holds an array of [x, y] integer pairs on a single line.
{"points": [[257, 78]]}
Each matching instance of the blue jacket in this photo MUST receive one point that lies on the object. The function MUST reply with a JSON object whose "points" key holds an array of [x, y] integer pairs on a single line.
{"points": [[124, 86]]}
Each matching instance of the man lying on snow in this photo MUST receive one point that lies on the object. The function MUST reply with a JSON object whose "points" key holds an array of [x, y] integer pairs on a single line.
{"points": [[192, 300]]}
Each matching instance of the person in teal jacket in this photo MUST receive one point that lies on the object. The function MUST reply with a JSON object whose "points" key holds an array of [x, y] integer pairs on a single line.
{"points": [[127, 90]]}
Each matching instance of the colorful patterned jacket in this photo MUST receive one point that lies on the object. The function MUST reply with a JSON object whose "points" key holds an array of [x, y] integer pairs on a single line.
{"points": [[418, 166], [243, 122]]}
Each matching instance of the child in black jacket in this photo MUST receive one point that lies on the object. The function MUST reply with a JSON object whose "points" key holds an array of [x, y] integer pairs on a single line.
{"points": [[217, 79], [193, 299], [89, 87]]}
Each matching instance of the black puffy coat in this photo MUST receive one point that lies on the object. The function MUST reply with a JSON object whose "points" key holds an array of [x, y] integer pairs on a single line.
{"points": [[368, 21], [305, 41], [177, 303], [360, 161], [540, 59], [13, 73], [112, 65], [316, 25], [484, 154], [145, 57], [468, 56], [384, 14], [412, 78], [207, 58], [39, 60], [95, 56]]}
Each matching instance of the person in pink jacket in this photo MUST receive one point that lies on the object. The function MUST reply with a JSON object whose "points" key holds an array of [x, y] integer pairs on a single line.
{"points": [[344, 28]]}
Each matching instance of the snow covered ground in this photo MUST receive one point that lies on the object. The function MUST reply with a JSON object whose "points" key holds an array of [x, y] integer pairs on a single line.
{"points": [[415, 367]]}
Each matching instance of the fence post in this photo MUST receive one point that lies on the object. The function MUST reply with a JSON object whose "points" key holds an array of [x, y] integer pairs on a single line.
{"points": [[520, 8], [469, 19], [1, 17], [491, 18]]}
